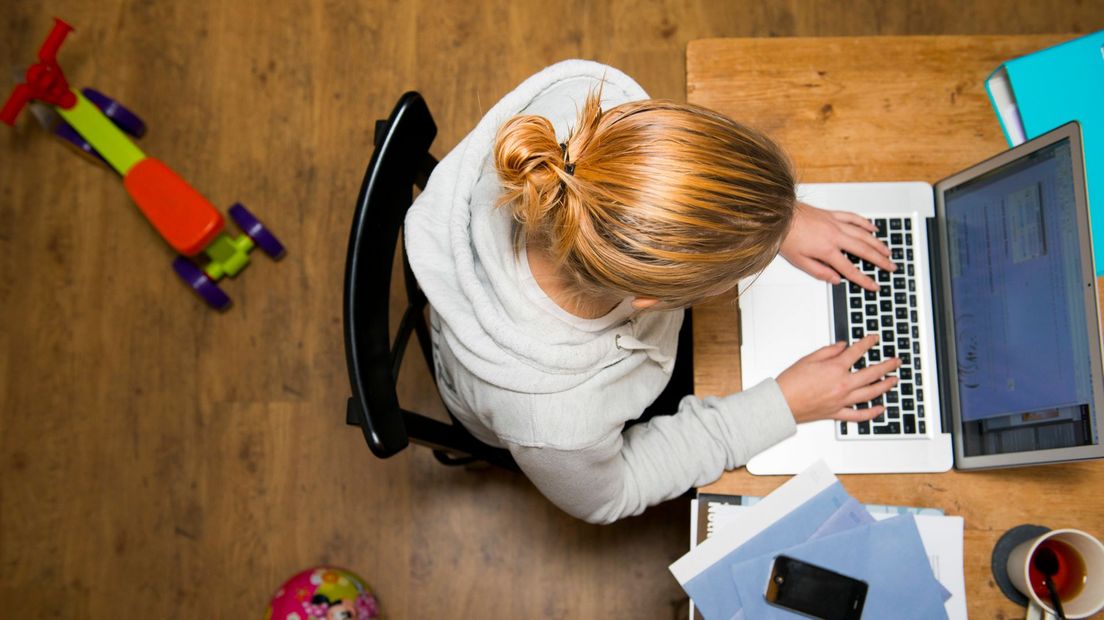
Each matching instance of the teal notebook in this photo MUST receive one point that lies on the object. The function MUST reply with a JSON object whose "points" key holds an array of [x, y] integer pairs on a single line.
{"points": [[1035, 93]]}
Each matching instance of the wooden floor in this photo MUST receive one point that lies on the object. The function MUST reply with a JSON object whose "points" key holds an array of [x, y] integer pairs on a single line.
{"points": [[161, 460]]}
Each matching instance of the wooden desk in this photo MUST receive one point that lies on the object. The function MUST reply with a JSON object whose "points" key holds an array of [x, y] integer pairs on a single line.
{"points": [[884, 109]]}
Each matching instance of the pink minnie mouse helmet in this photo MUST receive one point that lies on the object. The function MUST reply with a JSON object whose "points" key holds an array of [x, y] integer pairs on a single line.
{"points": [[323, 593]]}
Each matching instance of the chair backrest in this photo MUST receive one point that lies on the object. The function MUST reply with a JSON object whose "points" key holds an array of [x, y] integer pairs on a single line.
{"points": [[401, 160]]}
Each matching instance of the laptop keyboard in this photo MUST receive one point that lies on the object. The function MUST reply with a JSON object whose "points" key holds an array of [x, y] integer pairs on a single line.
{"points": [[891, 312]]}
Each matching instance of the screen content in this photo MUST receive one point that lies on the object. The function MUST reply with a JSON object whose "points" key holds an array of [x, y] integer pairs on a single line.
{"points": [[1024, 372]]}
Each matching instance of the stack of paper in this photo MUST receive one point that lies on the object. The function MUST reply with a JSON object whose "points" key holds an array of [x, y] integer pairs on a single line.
{"points": [[812, 518]]}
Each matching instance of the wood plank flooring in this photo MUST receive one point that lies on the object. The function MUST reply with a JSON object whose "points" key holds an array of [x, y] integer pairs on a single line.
{"points": [[161, 460]]}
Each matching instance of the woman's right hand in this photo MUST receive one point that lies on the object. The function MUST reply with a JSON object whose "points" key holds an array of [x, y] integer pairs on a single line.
{"points": [[822, 384]]}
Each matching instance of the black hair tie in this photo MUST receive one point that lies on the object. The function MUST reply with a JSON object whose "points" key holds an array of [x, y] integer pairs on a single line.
{"points": [[569, 167]]}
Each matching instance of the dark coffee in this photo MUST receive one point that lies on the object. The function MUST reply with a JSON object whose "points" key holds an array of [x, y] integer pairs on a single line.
{"points": [[1068, 566]]}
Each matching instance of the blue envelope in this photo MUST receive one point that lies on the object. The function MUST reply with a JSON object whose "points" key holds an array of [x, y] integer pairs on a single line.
{"points": [[712, 589], [888, 555]]}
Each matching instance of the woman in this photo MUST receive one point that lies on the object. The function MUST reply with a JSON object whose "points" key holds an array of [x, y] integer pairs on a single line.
{"points": [[558, 244]]}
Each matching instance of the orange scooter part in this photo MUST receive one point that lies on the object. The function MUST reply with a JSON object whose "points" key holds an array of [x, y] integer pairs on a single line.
{"points": [[181, 214]]}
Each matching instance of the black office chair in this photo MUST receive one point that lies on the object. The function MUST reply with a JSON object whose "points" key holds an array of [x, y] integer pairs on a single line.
{"points": [[401, 161]]}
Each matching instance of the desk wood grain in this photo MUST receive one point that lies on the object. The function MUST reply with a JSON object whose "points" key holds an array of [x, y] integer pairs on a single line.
{"points": [[884, 109]]}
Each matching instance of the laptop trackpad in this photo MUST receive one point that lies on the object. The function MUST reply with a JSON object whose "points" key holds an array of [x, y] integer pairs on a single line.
{"points": [[785, 316]]}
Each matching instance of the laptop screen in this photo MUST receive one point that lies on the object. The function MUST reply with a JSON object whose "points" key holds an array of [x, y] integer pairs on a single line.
{"points": [[1022, 346]]}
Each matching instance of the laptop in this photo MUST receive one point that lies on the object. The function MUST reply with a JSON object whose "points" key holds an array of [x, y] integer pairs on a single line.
{"points": [[992, 311]]}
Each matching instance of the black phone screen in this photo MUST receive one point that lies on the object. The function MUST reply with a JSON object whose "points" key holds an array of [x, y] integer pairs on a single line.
{"points": [[814, 591]]}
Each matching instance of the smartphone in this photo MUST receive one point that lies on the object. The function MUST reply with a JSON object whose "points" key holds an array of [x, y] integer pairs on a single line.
{"points": [[813, 591]]}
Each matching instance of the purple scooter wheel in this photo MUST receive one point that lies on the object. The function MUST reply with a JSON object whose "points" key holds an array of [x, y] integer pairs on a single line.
{"points": [[66, 132], [123, 118], [199, 282], [256, 231]]}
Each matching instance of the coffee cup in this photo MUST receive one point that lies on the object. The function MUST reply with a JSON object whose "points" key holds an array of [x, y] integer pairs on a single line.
{"points": [[1077, 562]]}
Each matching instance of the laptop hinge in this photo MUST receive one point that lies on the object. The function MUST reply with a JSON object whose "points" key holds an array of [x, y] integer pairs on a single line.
{"points": [[938, 298]]}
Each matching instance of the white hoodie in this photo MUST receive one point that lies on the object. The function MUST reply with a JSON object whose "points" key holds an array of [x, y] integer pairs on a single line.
{"points": [[557, 390]]}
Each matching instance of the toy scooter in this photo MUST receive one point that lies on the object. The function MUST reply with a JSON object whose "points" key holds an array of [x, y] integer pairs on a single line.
{"points": [[99, 126]]}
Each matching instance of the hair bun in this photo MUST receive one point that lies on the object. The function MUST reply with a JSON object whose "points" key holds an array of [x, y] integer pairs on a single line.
{"points": [[529, 164]]}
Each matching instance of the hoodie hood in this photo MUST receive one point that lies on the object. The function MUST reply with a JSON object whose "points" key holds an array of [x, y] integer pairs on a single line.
{"points": [[460, 246]]}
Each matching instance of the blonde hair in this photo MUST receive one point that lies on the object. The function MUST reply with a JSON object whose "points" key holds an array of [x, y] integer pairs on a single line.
{"points": [[648, 199]]}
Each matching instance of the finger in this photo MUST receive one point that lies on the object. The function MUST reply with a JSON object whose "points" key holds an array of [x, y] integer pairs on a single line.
{"points": [[873, 390], [871, 256], [848, 414], [852, 353], [870, 374], [818, 270], [868, 248], [854, 218], [847, 269], [865, 240]]}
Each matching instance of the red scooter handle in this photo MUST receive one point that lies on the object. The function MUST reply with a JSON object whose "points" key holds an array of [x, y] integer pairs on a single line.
{"points": [[45, 81]]}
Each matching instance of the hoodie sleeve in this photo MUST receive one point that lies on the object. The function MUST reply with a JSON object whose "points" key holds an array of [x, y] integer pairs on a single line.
{"points": [[625, 472]]}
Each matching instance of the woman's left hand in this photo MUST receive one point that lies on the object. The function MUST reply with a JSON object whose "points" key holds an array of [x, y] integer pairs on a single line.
{"points": [[818, 239]]}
